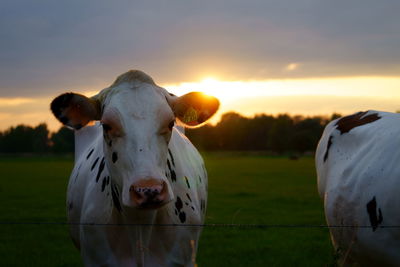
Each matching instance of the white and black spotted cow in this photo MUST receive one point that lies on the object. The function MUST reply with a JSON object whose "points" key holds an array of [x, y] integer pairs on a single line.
{"points": [[136, 169], [358, 166]]}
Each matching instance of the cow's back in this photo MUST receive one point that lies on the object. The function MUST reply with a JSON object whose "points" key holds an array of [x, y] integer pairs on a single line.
{"points": [[358, 177]]}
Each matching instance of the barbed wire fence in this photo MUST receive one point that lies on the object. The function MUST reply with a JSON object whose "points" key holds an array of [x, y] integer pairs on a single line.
{"points": [[207, 225]]}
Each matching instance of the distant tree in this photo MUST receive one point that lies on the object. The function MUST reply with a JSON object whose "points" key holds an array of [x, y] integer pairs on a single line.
{"points": [[281, 133], [231, 131], [257, 132], [40, 140], [63, 141], [25, 139], [306, 134]]}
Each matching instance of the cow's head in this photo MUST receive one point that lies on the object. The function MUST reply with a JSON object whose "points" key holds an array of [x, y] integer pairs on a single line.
{"points": [[137, 117]]}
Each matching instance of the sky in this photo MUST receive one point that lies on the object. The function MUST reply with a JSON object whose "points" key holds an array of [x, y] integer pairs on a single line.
{"points": [[258, 56]]}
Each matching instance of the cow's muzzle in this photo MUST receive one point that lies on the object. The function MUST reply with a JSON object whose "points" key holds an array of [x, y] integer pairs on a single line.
{"points": [[149, 194]]}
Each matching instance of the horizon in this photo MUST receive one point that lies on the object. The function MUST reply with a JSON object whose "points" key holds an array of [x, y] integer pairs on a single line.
{"points": [[304, 97]]}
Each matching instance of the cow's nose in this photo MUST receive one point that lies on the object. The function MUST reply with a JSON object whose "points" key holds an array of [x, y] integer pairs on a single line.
{"points": [[149, 193]]}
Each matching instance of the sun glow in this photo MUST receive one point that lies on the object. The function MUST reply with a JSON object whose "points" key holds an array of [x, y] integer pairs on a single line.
{"points": [[225, 91], [298, 96], [228, 91], [321, 96]]}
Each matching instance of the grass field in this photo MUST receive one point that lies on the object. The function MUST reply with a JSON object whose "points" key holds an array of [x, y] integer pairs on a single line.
{"points": [[242, 190]]}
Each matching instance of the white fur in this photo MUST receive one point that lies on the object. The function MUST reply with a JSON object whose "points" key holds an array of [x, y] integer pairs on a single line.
{"points": [[362, 164], [143, 111]]}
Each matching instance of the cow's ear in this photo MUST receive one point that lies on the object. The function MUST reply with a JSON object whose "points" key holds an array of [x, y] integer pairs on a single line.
{"points": [[195, 108], [75, 110]]}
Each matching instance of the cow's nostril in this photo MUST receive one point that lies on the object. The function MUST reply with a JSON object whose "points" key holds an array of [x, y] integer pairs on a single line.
{"points": [[149, 194]]}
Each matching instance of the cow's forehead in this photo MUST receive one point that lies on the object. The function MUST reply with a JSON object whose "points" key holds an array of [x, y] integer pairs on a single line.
{"points": [[129, 81], [144, 100], [137, 100]]}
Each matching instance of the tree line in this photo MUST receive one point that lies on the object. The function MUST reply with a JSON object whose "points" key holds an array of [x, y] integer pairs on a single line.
{"points": [[36, 140], [278, 134]]}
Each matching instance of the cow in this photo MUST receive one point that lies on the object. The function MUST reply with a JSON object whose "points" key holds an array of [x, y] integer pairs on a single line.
{"points": [[357, 162], [138, 187]]}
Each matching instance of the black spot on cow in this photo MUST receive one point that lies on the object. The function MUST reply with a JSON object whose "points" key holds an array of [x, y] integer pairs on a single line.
{"points": [[110, 143], [171, 171], [179, 206], [187, 182], [176, 212], [346, 124], [200, 178], [178, 203], [182, 217], [114, 157], [115, 198], [173, 176], [108, 180], [192, 208], [374, 218], [172, 157], [94, 164], [70, 205], [90, 153], [101, 168], [328, 147], [169, 165], [187, 204], [188, 197], [171, 94]]}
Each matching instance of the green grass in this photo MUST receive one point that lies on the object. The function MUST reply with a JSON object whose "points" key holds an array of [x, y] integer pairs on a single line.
{"points": [[242, 190]]}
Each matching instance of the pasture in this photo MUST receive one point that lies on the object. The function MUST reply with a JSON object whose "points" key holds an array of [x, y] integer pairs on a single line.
{"points": [[243, 189]]}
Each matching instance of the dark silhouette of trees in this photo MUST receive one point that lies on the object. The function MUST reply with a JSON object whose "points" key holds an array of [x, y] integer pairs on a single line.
{"points": [[37, 140], [279, 134], [63, 141], [25, 139]]}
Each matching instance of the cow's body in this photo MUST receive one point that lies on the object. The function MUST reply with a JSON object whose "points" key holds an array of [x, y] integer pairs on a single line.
{"points": [[93, 198], [139, 186], [358, 166]]}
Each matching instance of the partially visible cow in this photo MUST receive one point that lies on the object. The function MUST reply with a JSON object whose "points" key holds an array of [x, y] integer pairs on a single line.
{"points": [[134, 171], [358, 166]]}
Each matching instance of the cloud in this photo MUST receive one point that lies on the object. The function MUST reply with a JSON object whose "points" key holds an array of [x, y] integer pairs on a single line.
{"points": [[50, 46], [292, 66]]}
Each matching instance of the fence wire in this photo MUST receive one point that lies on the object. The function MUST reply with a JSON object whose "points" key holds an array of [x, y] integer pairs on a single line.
{"points": [[207, 225]]}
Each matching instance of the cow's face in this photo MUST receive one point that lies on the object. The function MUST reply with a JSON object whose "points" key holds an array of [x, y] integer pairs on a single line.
{"points": [[137, 119]]}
